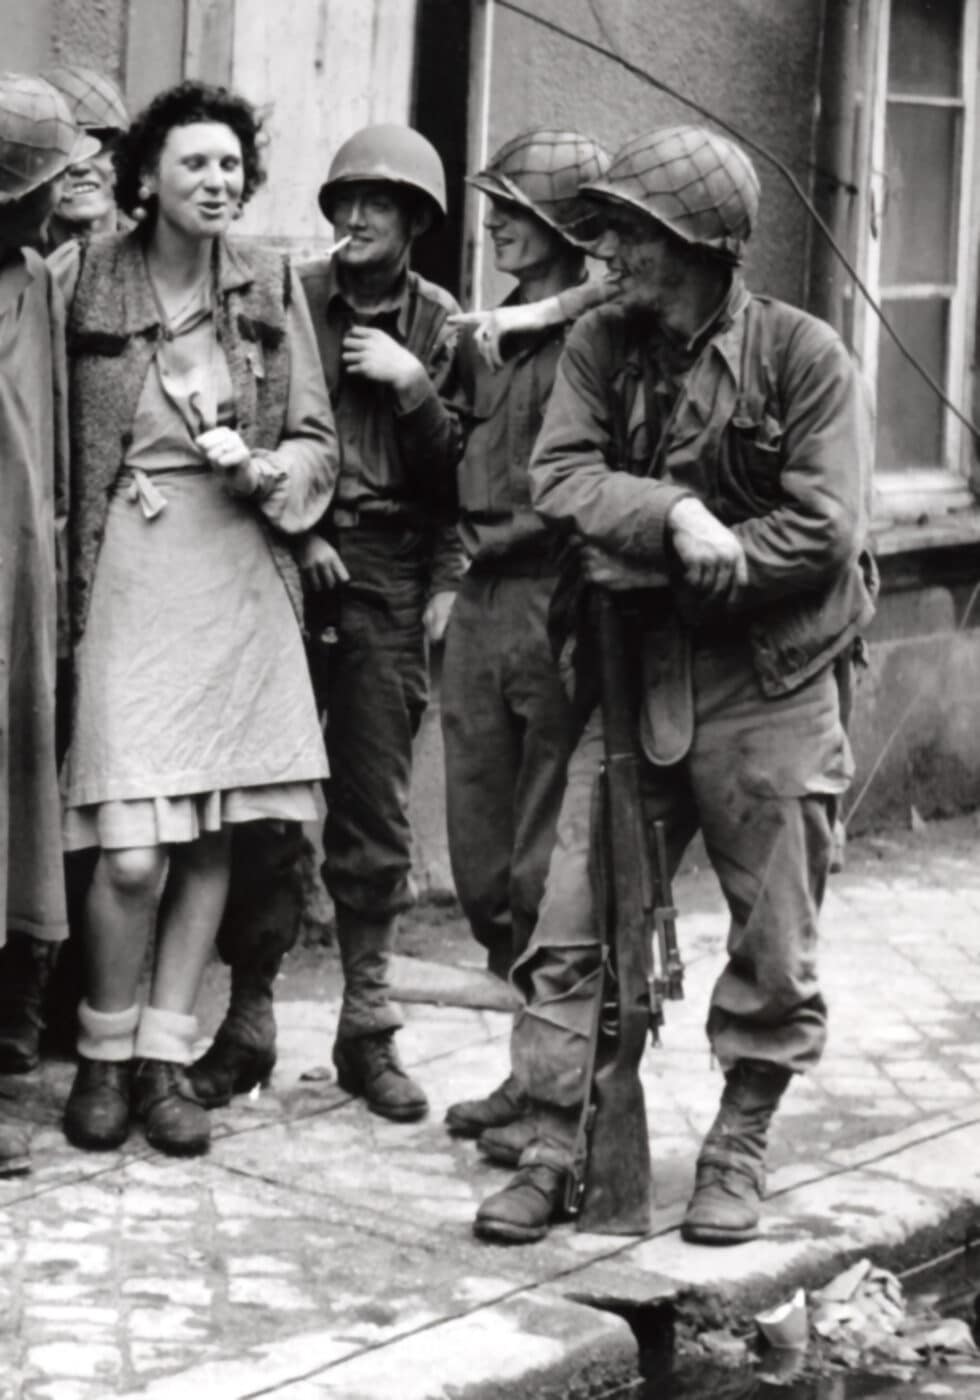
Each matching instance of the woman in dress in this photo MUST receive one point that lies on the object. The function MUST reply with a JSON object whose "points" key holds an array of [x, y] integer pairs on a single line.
{"points": [[202, 439]]}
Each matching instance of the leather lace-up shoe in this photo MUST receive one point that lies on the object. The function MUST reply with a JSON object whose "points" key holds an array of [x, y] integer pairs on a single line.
{"points": [[174, 1120], [522, 1212], [97, 1111], [369, 1068]]}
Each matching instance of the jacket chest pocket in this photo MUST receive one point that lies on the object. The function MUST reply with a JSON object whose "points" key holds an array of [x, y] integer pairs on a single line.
{"points": [[754, 456], [484, 472]]}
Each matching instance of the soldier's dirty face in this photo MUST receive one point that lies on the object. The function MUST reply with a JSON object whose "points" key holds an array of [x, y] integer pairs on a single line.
{"points": [[88, 190], [522, 244], [376, 220], [643, 263], [199, 179]]}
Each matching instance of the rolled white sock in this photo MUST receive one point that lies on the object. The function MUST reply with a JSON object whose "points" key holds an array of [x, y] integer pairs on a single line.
{"points": [[166, 1035], [106, 1035]]}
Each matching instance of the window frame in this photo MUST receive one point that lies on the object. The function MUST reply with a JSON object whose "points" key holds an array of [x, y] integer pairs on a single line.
{"points": [[904, 493]]}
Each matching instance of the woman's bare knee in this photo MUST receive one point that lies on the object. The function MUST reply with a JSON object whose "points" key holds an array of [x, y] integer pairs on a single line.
{"points": [[134, 872]]}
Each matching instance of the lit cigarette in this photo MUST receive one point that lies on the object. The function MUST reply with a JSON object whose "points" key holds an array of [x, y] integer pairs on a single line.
{"points": [[336, 247]]}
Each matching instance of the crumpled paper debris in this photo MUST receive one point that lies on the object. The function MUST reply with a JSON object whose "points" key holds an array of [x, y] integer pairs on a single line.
{"points": [[785, 1327], [862, 1316]]}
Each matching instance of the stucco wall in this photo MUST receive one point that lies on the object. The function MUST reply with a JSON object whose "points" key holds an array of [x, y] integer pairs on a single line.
{"points": [[754, 62], [91, 32]]}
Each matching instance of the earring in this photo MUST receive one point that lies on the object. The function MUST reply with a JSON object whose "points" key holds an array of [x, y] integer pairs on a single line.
{"points": [[144, 192], [237, 212]]}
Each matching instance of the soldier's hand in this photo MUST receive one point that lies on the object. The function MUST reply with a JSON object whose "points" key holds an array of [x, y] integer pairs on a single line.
{"points": [[614, 572], [320, 564], [710, 555], [435, 619], [376, 355]]}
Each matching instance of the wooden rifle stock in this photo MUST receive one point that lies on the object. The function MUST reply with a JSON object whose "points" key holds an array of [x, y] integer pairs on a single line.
{"points": [[613, 1169]]}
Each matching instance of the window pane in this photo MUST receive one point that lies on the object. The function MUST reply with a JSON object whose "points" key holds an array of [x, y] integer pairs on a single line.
{"points": [[910, 417], [924, 48], [919, 224]]}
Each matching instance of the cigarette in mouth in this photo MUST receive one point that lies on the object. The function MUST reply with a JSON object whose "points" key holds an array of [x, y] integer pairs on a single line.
{"points": [[336, 247]]}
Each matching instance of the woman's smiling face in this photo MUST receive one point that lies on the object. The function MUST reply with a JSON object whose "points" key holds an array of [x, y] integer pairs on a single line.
{"points": [[199, 179]]}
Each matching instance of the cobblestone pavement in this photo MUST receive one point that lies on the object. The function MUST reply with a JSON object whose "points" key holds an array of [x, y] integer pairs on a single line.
{"points": [[315, 1236]]}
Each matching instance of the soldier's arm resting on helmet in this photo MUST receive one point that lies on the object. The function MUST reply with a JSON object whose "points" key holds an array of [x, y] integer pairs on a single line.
{"points": [[573, 484], [820, 525], [297, 478]]}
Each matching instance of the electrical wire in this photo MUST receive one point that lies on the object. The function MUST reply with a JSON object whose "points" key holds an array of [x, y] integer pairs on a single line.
{"points": [[644, 76]]}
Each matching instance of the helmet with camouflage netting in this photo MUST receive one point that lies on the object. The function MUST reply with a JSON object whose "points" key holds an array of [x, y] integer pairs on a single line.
{"points": [[38, 139], [543, 172], [95, 101], [697, 184]]}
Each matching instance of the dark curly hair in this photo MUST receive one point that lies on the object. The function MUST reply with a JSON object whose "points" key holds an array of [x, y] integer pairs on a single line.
{"points": [[138, 149]]}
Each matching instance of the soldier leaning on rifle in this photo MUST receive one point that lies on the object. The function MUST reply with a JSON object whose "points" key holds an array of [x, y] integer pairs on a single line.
{"points": [[392, 559], [38, 141], [506, 719], [718, 436]]}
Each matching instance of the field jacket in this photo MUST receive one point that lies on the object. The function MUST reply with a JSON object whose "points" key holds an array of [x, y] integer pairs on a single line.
{"points": [[770, 429]]}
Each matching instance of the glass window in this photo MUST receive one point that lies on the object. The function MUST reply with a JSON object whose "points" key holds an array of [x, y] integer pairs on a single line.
{"points": [[924, 48], [919, 226], [910, 416]]}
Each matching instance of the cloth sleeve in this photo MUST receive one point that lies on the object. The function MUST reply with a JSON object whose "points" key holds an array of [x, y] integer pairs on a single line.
{"points": [[427, 424], [826, 464], [298, 478], [574, 483]]}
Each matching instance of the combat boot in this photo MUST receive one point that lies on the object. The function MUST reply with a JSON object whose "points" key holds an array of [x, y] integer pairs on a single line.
{"points": [[243, 1052], [730, 1172], [471, 1117], [506, 1145], [260, 925], [369, 1068], [522, 1212], [25, 970]]}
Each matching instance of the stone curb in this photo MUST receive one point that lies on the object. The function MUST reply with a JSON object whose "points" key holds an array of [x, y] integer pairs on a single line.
{"points": [[536, 1345], [916, 1198]]}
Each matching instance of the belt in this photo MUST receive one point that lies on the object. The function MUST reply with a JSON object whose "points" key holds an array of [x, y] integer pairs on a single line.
{"points": [[513, 566], [350, 518]]}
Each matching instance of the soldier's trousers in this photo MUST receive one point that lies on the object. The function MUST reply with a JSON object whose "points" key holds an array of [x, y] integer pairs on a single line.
{"points": [[376, 692], [507, 735], [761, 781]]}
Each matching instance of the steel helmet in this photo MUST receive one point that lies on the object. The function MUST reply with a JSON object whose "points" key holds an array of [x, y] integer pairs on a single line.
{"points": [[543, 171], [38, 139], [95, 101], [699, 185], [398, 155]]}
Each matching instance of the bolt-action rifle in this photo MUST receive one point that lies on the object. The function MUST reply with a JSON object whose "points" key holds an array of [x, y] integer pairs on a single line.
{"points": [[641, 967]]}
